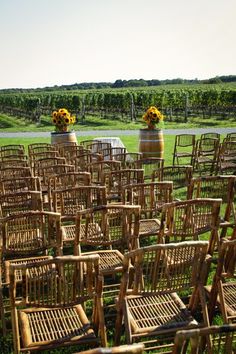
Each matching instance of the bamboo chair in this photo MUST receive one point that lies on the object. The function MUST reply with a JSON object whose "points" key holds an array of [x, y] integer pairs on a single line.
{"points": [[97, 146], [12, 149], [15, 172], [149, 164], [111, 152], [180, 175], [188, 219], [128, 159], [73, 151], [69, 201], [12, 163], [46, 162], [214, 340], [206, 156], [67, 180], [122, 349], [227, 157], [223, 289], [231, 136], [115, 180], [150, 301], [46, 173], [151, 197], [216, 187], [211, 135], [81, 161], [26, 237], [99, 170], [14, 185], [86, 143], [107, 230], [184, 147], [37, 156], [40, 147], [13, 203], [65, 146], [15, 157], [52, 312]]}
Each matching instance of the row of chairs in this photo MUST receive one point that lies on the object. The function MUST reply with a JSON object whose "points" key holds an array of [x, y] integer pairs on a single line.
{"points": [[207, 154], [150, 300], [92, 232]]}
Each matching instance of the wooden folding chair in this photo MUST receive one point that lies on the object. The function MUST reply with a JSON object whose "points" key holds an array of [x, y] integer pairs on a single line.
{"points": [[99, 169], [223, 289], [109, 231], [180, 175], [26, 237], [216, 187], [188, 219], [184, 149], [37, 156], [231, 136], [149, 164], [15, 172], [51, 312], [12, 149], [214, 340], [115, 180], [69, 201], [150, 300], [211, 135], [82, 160], [227, 157], [151, 197], [14, 185], [13, 203], [128, 159], [67, 180], [206, 156]]}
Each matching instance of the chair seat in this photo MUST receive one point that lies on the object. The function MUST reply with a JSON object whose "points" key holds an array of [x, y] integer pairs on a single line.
{"points": [[154, 313], [149, 227], [229, 291], [111, 261], [68, 232], [183, 154], [47, 326]]}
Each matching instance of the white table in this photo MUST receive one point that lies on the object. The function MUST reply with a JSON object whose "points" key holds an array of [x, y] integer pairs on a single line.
{"points": [[114, 141]]}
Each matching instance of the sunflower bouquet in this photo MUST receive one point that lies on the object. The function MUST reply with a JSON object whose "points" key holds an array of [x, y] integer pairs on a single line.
{"points": [[153, 117], [62, 119]]}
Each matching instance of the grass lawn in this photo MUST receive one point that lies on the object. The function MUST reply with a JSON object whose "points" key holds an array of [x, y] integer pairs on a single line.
{"points": [[131, 143]]}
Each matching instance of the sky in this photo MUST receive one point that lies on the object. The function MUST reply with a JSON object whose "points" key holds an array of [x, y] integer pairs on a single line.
{"points": [[62, 42]]}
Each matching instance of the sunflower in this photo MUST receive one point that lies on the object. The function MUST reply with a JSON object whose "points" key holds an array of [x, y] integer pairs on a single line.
{"points": [[153, 116], [61, 119]]}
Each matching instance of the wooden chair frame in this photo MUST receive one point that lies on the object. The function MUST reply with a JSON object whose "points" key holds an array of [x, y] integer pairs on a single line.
{"points": [[159, 274], [51, 312], [26, 237], [221, 186], [214, 339], [184, 147], [188, 219], [223, 287]]}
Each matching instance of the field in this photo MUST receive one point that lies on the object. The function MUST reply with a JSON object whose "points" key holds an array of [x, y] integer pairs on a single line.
{"points": [[195, 105], [104, 120]]}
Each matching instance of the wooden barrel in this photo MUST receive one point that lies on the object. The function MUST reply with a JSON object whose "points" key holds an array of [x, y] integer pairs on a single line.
{"points": [[151, 143], [63, 138]]}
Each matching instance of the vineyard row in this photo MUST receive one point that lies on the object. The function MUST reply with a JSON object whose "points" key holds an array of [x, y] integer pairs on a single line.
{"points": [[125, 104]]}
